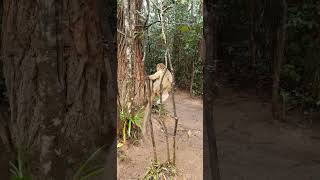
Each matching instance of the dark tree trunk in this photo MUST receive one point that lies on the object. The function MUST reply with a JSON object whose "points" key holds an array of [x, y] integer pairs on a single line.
{"points": [[60, 80], [252, 39], [210, 36], [278, 34]]}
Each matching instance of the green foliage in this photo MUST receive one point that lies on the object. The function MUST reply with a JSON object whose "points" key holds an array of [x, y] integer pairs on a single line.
{"points": [[131, 123], [184, 31], [290, 76], [84, 172], [197, 83], [19, 170], [159, 108], [300, 73]]}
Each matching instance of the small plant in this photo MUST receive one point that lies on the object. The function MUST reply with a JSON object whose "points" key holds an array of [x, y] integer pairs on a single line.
{"points": [[130, 122], [285, 98], [160, 171], [159, 108], [19, 170], [83, 173]]}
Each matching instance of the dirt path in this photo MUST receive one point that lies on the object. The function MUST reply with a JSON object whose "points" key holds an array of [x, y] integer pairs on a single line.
{"points": [[189, 147], [250, 146]]}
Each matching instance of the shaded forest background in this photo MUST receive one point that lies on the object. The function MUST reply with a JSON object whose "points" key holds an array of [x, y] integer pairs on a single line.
{"points": [[245, 49]]}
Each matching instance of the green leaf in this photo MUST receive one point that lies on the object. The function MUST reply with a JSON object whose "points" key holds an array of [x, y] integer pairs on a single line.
{"points": [[184, 28], [79, 171], [93, 173], [129, 127]]}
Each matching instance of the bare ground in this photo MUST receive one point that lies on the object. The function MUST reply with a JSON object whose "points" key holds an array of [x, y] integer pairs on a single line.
{"points": [[250, 145]]}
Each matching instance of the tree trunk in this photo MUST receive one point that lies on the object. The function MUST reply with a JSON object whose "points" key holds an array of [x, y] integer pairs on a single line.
{"points": [[138, 63], [252, 39], [192, 77], [130, 56], [278, 48], [60, 82], [210, 36]]}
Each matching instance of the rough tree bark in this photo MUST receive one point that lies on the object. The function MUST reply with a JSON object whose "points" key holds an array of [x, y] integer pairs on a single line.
{"points": [[60, 82], [138, 64], [211, 169], [130, 56]]}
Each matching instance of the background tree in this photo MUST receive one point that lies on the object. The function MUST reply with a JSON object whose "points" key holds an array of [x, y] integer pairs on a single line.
{"points": [[184, 31], [130, 55], [131, 73], [277, 20], [296, 81], [210, 35]]}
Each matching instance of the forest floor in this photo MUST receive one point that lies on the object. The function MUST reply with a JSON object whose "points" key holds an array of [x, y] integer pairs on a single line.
{"points": [[250, 145], [188, 140]]}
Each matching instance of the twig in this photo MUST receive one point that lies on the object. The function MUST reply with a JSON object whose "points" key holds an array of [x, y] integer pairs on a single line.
{"points": [[147, 26]]}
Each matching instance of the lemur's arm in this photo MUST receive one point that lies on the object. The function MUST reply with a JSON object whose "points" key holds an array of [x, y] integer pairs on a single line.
{"points": [[156, 75]]}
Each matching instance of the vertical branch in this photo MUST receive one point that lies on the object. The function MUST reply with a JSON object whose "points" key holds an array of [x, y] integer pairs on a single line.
{"points": [[146, 39], [161, 16], [150, 121], [192, 78], [195, 54], [174, 112], [174, 107], [168, 61], [146, 32]]}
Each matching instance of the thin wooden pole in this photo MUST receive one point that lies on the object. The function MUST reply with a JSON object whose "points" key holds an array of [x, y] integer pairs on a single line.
{"points": [[150, 121]]}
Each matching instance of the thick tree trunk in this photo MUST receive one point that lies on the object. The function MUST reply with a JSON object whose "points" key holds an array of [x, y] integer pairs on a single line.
{"points": [[58, 75], [138, 63], [211, 168], [130, 65]]}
